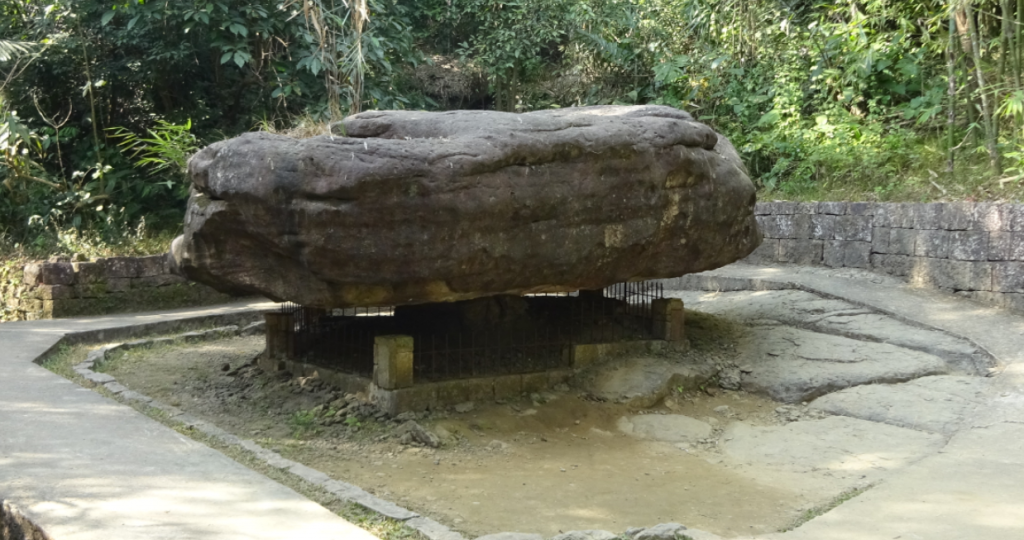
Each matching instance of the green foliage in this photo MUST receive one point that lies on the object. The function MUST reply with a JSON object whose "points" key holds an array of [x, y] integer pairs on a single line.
{"points": [[181, 74], [512, 40], [811, 94], [805, 94], [20, 146], [167, 149], [10, 50], [303, 423], [103, 102]]}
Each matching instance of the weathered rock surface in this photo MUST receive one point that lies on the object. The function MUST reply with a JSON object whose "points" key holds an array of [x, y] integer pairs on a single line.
{"points": [[413, 207], [840, 447], [675, 428], [641, 381], [792, 365], [411, 431], [830, 316], [936, 404], [664, 531], [590, 534], [511, 536]]}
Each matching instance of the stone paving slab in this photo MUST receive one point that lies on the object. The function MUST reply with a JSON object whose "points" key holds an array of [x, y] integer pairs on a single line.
{"points": [[936, 404], [793, 365], [81, 466], [970, 490], [832, 316], [846, 449], [974, 487]]}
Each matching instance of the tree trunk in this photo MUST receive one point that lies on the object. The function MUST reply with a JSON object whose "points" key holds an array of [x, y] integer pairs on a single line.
{"points": [[951, 73], [1019, 64], [991, 133], [359, 17], [1005, 48]]}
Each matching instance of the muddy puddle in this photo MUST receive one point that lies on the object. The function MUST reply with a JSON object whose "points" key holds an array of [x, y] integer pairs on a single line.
{"points": [[542, 463]]}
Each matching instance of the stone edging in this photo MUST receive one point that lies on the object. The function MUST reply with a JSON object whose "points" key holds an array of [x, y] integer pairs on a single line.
{"points": [[344, 491], [975, 250]]}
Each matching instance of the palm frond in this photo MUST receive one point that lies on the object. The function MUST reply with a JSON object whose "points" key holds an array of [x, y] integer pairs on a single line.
{"points": [[12, 49]]}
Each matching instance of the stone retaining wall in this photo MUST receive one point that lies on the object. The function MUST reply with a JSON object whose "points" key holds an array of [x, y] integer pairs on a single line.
{"points": [[60, 288], [971, 249]]}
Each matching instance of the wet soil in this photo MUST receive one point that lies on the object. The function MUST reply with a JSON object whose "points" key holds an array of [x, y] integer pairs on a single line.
{"points": [[542, 463]]}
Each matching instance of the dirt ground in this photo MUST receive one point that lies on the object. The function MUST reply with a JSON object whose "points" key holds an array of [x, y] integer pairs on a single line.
{"points": [[543, 463]]}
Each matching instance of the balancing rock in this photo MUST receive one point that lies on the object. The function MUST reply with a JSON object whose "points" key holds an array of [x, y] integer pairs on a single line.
{"points": [[402, 207]]}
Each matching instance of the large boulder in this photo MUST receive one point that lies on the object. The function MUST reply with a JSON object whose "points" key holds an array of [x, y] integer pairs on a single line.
{"points": [[412, 207]]}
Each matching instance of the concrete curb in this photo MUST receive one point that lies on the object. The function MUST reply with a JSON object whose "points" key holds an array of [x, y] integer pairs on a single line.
{"points": [[107, 335], [343, 490]]}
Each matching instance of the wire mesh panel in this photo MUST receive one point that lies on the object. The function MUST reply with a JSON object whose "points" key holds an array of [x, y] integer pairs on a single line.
{"points": [[623, 312], [438, 357], [339, 339], [455, 341], [637, 296]]}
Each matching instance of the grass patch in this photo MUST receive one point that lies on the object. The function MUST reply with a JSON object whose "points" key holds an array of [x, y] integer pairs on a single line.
{"points": [[827, 507], [971, 183], [303, 424], [120, 359], [912, 171], [63, 360], [90, 243]]}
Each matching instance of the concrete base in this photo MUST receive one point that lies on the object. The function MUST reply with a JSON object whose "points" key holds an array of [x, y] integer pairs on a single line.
{"points": [[426, 396], [434, 395], [586, 354]]}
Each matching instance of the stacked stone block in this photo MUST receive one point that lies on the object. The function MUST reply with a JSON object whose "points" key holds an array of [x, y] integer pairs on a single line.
{"points": [[60, 288], [972, 249]]}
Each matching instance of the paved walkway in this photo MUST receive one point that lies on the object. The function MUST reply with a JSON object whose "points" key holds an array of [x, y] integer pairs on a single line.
{"points": [[82, 466], [974, 488]]}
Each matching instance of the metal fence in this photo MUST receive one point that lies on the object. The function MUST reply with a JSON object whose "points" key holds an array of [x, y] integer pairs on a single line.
{"points": [[448, 346]]}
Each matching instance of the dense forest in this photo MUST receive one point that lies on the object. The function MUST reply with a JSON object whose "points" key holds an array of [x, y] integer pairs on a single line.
{"points": [[102, 102]]}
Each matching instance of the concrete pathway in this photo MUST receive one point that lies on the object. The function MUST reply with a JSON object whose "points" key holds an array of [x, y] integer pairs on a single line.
{"points": [[81, 466], [971, 490]]}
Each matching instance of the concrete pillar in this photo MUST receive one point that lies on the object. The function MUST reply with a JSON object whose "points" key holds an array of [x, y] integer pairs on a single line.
{"points": [[669, 319], [280, 341], [392, 361]]}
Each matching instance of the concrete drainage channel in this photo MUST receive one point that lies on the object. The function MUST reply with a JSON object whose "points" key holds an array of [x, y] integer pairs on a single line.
{"points": [[808, 329]]}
